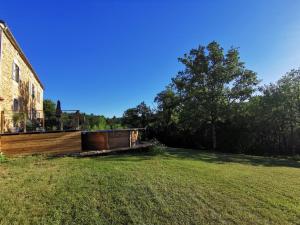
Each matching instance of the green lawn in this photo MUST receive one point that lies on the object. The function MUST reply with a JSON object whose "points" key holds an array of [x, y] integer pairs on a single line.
{"points": [[178, 187]]}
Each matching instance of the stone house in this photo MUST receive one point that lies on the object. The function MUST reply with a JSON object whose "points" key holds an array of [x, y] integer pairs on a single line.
{"points": [[21, 91]]}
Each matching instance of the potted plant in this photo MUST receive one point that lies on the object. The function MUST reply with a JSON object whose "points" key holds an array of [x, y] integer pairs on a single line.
{"points": [[17, 118]]}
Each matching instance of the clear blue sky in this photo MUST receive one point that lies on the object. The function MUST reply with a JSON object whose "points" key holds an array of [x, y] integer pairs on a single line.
{"points": [[106, 56]]}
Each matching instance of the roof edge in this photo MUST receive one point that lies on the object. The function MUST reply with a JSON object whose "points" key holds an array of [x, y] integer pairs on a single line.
{"points": [[3, 22], [12, 39]]}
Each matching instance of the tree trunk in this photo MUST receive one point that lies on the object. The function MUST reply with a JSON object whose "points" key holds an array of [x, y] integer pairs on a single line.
{"points": [[293, 140], [213, 136]]}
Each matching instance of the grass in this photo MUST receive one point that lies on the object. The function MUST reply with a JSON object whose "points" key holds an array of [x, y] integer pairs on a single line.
{"points": [[176, 187]]}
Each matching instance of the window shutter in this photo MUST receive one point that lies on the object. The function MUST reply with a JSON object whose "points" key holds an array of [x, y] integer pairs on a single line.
{"points": [[19, 79], [14, 71], [17, 73], [29, 88]]}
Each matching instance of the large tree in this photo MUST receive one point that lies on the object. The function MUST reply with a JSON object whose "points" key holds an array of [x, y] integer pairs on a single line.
{"points": [[211, 82]]}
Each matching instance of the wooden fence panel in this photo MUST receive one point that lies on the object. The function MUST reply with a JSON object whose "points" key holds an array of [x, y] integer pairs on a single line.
{"points": [[43, 143], [94, 141], [119, 139]]}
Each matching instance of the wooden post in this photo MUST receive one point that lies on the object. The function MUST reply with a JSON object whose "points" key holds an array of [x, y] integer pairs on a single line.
{"points": [[137, 137], [77, 120], [130, 138], [1, 116], [2, 122], [25, 122], [43, 121], [107, 141]]}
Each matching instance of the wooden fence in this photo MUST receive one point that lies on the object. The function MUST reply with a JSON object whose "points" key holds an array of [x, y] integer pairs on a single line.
{"points": [[40, 143], [64, 142]]}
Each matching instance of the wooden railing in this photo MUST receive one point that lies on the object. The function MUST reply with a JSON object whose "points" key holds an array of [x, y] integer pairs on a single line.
{"points": [[22, 122], [18, 121]]}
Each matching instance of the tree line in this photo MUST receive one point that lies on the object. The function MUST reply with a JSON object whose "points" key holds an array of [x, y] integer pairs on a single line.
{"points": [[89, 122], [216, 103]]}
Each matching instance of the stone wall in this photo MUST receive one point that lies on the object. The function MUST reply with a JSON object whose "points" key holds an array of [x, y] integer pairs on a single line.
{"points": [[9, 88]]}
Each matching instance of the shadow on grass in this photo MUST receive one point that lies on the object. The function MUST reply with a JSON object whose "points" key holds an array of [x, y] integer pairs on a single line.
{"points": [[192, 154], [213, 157], [128, 155], [125, 155]]}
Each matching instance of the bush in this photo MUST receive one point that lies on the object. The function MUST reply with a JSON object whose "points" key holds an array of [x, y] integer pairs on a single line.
{"points": [[2, 157], [157, 148]]}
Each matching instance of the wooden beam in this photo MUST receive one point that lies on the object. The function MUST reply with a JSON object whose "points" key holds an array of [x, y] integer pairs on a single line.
{"points": [[1, 122]]}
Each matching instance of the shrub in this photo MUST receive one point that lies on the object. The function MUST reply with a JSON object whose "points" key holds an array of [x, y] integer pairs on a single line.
{"points": [[157, 148], [2, 157]]}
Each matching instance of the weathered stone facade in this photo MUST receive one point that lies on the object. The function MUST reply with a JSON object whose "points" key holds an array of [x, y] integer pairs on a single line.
{"points": [[21, 90]]}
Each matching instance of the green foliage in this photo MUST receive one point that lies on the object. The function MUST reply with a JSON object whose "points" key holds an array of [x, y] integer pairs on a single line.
{"points": [[276, 115], [214, 103], [31, 125], [70, 120], [114, 123], [2, 157], [49, 107], [17, 118], [168, 107], [138, 117], [204, 93], [157, 148], [49, 113], [264, 124], [96, 122]]}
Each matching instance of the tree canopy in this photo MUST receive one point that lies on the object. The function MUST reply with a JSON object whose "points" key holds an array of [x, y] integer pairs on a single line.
{"points": [[215, 103], [210, 84]]}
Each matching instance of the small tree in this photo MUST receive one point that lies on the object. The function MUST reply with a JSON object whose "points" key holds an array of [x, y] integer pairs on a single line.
{"points": [[49, 114], [167, 107]]}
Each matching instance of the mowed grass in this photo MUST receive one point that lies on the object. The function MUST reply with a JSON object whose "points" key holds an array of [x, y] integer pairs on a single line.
{"points": [[178, 187]]}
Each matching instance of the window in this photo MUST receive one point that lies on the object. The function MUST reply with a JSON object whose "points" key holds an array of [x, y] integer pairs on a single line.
{"points": [[21, 104], [29, 88], [16, 73], [33, 113], [38, 95], [16, 105], [33, 91]]}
